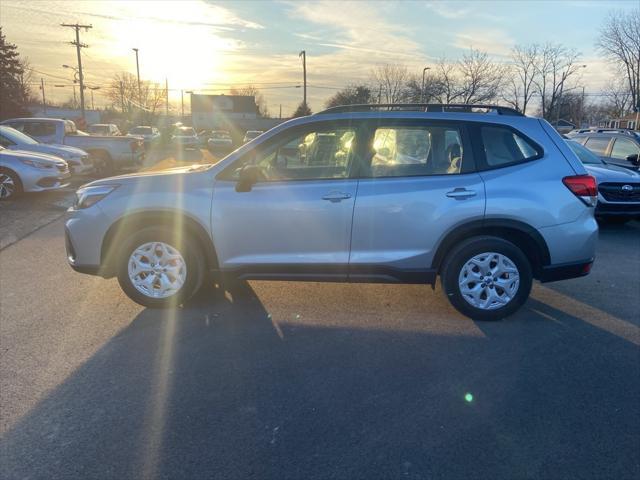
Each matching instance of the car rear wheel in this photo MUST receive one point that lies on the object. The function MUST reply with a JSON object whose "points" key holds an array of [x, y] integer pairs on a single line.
{"points": [[486, 278], [160, 268], [10, 186]]}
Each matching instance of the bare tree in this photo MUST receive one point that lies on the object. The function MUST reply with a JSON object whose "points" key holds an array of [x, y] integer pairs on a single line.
{"points": [[123, 92], [618, 97], [449, 88], [389, 80], [555, 65], [251, 91], [521, 74], [619, 41], [480, 79]]}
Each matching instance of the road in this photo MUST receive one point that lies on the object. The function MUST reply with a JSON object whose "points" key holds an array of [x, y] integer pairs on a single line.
{"points": [[308, 380]]}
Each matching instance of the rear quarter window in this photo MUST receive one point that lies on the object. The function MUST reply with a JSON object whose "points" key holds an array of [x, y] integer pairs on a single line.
{"points": [[503, 146]]}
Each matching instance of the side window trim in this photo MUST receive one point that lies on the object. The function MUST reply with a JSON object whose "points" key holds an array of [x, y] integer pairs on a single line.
{"points": [[370, 127], [479, 151]]}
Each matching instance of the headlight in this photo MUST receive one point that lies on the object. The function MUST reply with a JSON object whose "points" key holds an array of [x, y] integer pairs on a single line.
{"points": [[88, 196], [36, 164]]}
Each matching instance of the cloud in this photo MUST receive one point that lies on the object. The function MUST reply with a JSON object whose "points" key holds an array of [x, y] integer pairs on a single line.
{"points": [[461, 10], [494, 42]]}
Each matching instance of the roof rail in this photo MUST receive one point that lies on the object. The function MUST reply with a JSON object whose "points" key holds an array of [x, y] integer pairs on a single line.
{"points": [[423, 107]]}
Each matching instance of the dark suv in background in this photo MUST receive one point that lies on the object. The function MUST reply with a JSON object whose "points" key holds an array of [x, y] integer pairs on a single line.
{"points": [[618, 148]]}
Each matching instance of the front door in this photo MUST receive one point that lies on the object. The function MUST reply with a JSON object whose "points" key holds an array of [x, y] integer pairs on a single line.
{"points": [[295, 221]]}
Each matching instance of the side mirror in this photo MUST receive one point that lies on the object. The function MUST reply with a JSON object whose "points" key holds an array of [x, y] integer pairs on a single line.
{"points": [[249, 176], [634, 159]]}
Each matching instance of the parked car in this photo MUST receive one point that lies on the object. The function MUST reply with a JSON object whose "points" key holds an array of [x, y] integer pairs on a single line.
{"points": [[185, 137], [595, 130], [30, 172], [108, 153], [618, 187], [219, 139], [486, 201], [251, 134], [622, 149], [106, 129], [78, 160], [150, 135]]}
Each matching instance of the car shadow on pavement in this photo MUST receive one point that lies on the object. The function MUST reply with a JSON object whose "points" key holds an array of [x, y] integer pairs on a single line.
{"points": [[613, 284], [219, 389]]}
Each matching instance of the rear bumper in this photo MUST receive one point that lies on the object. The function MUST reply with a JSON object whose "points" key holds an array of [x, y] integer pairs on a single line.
{"points": [[565, 271]]}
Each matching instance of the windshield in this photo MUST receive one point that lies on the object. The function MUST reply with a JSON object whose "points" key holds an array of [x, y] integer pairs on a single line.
{"points": [[220, 135], [585, 155], [17, 137], [185, 132]]}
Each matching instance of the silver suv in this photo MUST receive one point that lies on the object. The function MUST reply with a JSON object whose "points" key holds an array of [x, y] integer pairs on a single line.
{"points": [[482, 196]]}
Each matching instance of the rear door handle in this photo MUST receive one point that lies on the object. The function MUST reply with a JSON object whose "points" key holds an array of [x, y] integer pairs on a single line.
{"points": [[461, 193], [336, 196]]}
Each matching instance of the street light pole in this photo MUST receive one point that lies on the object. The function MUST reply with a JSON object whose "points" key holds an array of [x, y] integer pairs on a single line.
{"points": [[424, 70], [44, 102], [303, 54], [138, 71]]}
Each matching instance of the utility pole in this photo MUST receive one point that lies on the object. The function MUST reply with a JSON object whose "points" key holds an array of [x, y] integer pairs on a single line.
{"points": [[44, 102], [182, 104], [424, 70], [280, 111], [122, 95], [79, 45], [138, 71], [166, 98], [303, 54]]}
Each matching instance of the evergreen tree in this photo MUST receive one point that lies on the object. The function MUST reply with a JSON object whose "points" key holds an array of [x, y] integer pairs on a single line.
{"points": [[302, 110], [13, 92]]}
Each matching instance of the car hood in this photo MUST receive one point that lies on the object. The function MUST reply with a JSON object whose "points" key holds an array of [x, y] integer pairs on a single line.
{"points": [[20, 154], [151, 175], [612, 173], [56, 150]]}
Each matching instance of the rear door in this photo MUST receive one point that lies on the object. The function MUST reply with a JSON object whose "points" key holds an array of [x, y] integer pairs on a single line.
{"points": [[418, 181], [599, 146], [621, 149]]}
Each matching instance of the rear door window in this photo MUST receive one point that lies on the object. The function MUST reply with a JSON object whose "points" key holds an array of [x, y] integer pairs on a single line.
{"points": [[404, 150], [623, 147], [598, 145], [40, 129], [503, 146]]}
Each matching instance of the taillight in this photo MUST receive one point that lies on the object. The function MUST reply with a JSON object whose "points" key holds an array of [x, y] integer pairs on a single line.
{"points": [[584, 187]]}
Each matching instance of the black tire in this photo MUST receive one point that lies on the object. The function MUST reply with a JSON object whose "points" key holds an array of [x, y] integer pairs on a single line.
{"points": [[465, 251], [17, 184], [190, 251], [103, 164]]}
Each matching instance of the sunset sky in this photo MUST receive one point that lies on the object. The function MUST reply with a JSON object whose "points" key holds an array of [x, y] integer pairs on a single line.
{"points": [[208, 46]]}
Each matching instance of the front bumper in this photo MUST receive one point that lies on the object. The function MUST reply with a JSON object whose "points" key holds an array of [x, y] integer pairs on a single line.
{"points": [[37, 180], [618, 209], [84, 232]]}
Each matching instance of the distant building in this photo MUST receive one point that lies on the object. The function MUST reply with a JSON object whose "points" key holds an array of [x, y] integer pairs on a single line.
{"points": [[91, 116], [221, 111], [629, 121]]}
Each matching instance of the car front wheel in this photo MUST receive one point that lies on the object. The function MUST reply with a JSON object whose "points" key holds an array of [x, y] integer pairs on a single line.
{"points": [[486, 278], [160, 268]]}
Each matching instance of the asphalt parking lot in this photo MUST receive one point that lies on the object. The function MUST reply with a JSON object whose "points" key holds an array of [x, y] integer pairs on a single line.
{"points": [[309, 380]]}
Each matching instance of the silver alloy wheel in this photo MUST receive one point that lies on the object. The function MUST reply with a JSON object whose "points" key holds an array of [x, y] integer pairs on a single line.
{"points": [[7, 186], [489, 280], [157, 270]]}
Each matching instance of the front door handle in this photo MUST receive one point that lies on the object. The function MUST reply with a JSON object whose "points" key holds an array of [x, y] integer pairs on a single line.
{"points": [[336, 196], [461, 193]]}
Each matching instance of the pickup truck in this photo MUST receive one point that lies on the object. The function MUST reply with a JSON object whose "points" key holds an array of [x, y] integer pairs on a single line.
{"points": [[108, 154]]}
